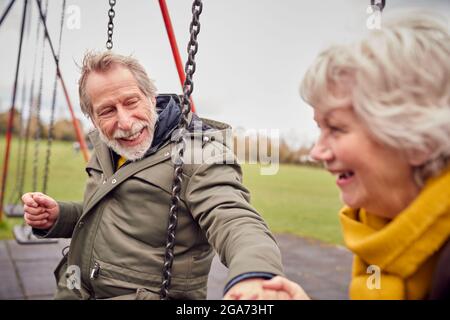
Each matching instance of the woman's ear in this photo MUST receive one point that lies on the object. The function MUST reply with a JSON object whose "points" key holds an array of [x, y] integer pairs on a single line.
{"points": [[417, 157]]}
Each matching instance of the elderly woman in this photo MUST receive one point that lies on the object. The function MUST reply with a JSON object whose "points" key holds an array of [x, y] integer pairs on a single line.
{"points": [[383, 109]]}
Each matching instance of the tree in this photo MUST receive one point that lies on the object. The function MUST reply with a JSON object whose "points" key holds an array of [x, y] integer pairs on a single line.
{"points": [[63, 130]]}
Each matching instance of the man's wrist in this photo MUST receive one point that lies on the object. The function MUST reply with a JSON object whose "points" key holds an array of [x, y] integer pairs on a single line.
{"points": [[247, 275]]}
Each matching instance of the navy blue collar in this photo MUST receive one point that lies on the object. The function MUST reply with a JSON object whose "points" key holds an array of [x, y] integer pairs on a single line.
{"points": [[169, 114]]}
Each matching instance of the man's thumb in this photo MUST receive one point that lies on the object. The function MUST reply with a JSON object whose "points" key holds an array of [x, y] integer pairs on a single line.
{"points": [[44, 201]]}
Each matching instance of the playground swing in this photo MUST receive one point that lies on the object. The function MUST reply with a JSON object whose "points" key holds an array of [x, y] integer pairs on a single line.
{"points": [[23, 234], [14, 208]]}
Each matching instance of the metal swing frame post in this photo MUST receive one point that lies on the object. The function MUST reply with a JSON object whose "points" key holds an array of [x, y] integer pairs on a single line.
{"points": [[5, 13], [11, 112], [80, 136], [174, 45]]}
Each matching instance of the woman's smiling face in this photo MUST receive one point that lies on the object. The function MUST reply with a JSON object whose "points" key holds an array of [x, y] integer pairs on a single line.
{"points": [[369, 174]]}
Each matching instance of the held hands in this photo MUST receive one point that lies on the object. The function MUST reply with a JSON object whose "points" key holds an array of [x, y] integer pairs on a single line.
{"points": [[290, 288], [40, 211], [277, 288]]}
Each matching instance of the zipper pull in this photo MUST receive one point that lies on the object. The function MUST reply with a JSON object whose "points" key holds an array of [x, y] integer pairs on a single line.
{"points": [[95, 271]]}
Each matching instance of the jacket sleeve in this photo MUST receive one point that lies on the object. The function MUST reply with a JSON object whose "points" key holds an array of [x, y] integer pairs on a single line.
{"points": [[69, 213], [220, 204]]}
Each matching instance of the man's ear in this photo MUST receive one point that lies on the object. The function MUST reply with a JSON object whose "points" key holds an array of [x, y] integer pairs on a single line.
{"points": [[153, 100]]}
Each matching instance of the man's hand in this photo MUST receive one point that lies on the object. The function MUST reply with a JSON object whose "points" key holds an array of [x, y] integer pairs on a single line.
{"points": [[252, 289], [290, 288], [40, 211]]}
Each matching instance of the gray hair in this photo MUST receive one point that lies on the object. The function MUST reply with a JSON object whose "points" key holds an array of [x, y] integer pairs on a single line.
{"points": [[102, 62], [397, 80]]}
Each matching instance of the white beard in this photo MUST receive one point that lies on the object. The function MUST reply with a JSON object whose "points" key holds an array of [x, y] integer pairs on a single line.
{"points": [[134, 153]]}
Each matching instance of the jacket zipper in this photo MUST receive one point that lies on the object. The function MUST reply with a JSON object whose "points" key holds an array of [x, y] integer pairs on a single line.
{"points": [[95, 271]]}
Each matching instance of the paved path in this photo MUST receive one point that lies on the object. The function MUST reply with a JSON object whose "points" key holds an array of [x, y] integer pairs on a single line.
{"points": [[26, 271]]}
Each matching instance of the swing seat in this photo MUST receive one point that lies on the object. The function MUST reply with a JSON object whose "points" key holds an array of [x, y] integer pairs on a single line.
{"points": [[24, 235], [13, 210]]}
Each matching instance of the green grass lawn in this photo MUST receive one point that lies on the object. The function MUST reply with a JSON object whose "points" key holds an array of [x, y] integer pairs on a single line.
{"points": [[298, 200]]}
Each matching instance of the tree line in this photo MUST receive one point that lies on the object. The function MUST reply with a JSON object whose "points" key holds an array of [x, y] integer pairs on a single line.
{"points": [[62, 128]]}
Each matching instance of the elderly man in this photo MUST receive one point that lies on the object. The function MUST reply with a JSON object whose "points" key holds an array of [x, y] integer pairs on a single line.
{"points": [[119, 230]]}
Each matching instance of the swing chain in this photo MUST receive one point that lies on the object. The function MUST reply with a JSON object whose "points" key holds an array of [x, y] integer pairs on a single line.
{"points": [[23, 165], [180, 138], [111, 15], [53, 105], [192, 49], [37, 114], [379, 3]]}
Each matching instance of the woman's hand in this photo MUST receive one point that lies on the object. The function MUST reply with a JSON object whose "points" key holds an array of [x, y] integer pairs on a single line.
{"points": [[290, 288]]}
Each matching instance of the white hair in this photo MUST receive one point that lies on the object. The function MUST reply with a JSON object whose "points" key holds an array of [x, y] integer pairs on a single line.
{"points": [[397, 80], [104, 61]]}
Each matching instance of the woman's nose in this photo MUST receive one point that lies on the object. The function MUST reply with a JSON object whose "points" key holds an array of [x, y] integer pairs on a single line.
{"points": [[321, 152]]}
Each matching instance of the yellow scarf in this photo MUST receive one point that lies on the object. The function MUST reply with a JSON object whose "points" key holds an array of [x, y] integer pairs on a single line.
{"points": [[396, 259]]}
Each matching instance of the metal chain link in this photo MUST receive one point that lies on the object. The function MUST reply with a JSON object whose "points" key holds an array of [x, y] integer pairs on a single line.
{"points": [[53, 105], [37, 136], [16, 194], [179, 138], [379, 3], [23, 165], [111, 15], [15, 197]]}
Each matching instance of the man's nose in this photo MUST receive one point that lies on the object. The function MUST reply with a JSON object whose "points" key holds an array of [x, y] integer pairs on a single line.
{"points": [[321, 152], [124, 119]]}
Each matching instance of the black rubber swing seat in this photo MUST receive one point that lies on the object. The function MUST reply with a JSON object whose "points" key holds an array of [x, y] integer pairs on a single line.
{"points": [[24, 235], [13, 210]]}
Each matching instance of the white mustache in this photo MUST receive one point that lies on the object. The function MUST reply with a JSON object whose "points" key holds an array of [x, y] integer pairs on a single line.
{"points": [[137, 127]]}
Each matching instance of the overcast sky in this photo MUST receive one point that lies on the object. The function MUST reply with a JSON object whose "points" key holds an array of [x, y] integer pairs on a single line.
{"points": [[252, 54]]}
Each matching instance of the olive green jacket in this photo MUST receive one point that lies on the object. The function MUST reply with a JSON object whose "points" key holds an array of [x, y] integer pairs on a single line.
{"points": [[119, 230]]}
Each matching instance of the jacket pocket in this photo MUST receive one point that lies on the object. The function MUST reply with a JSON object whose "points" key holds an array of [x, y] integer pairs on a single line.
{"points": [[145, 294], [119, 283]]}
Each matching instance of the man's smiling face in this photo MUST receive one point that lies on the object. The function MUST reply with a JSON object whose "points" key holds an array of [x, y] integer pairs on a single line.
{"points": [[124, 116]]}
